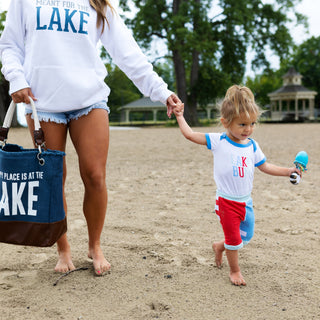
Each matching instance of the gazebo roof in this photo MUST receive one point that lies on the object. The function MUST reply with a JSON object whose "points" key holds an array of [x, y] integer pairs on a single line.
{"points": [[291, 89], [292, 86], [143, 103], [291, 73]]}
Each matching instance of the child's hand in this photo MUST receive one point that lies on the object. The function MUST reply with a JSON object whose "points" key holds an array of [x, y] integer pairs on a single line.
{"points": [[296, 170], [178, 110]]}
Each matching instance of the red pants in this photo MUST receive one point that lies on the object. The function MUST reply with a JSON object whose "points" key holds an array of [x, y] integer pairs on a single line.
{"points": [[231, 214]]}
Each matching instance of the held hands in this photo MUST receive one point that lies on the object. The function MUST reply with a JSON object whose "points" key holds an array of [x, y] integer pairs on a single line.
{"points": [[172, 102], [196, 137], [178, 110], [23, 96]]}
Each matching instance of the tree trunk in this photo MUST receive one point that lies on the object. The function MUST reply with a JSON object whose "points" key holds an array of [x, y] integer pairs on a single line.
{"points": [[179, 66], [193, 98], [189, 98], [180, 79], [5, 100], [2, 107], [194, 73]]}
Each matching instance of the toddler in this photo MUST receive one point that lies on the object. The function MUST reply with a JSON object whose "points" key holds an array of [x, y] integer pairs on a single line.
{"points": [[235, 157]]}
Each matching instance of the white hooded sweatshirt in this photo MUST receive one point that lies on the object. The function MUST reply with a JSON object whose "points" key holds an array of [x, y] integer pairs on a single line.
{"points": [[51, 47]]}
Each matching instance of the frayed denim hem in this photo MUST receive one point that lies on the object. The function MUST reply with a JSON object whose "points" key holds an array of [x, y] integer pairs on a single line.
{"points": [[86, 111], [66, 117], [48, 118]]}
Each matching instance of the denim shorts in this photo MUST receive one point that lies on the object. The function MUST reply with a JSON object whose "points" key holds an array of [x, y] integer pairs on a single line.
{"points": [[66, 117]]}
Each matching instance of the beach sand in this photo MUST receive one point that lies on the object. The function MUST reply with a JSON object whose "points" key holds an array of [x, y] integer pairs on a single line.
{"points": [[158, 234]]}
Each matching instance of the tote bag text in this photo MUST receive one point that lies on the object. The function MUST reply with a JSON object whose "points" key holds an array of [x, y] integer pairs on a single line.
{"points": [[23, 190]]}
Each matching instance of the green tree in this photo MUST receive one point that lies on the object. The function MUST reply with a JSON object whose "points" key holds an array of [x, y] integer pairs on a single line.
{"points": [[123, 90], [263, 84], [166, 72], [2, 20], [208, 43], [306, 60]]}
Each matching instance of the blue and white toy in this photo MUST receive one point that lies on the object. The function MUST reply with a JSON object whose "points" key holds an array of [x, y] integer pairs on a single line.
{"points": [[301, 162]]}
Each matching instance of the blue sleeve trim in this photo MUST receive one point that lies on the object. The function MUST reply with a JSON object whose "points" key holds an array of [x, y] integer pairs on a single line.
{"points": [[261, 162], [208, 141]]}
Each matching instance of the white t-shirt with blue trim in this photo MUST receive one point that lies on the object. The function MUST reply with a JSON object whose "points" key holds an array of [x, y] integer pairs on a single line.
{"points": [[234, 164]]}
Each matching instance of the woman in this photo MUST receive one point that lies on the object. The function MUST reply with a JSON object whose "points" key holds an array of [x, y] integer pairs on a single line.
{"points": [[48, 51]]}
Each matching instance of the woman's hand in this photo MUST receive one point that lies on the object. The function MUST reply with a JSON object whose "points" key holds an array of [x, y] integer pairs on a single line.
{"points": [[172, 102], [23, 96]]}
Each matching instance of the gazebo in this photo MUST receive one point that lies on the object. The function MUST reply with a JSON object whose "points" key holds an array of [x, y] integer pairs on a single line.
{"points": [[298, 100], [146, 105]]}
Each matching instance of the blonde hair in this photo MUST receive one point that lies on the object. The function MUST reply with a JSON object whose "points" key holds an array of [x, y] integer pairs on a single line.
{"points": [[100, 6], [238, 100]]}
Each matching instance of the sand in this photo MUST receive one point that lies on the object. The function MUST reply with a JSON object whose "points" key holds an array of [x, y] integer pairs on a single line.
{"points": [[158, 234]]}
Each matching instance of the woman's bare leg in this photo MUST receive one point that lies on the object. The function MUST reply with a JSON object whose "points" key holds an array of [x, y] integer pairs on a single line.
{"points": [[55, 137], [90, 136]]}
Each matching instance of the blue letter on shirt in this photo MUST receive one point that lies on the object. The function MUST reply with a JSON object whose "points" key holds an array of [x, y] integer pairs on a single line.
{"points": [[69, 21], [44, 27], [83, 21], [235, 171], [55, 11]]}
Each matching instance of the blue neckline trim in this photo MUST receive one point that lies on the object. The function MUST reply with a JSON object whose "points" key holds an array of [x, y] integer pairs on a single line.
{"points": [[239, 145]]}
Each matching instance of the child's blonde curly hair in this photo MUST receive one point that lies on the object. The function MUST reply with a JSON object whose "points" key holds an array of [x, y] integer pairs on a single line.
{"points": [[238, 100]]}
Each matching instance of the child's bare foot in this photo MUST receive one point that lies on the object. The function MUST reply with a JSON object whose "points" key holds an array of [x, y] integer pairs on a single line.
{"points": [[218, 251], [64, 263], [100, 264], [237, 279]]}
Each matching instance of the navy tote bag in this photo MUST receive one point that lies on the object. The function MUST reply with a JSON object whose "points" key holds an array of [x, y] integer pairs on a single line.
{"points": [[31, 201]]}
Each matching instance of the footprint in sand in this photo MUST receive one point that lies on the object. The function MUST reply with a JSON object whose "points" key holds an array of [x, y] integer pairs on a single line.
{"points": [[76, 224], [38, 258], [290, 231], [269, 195], [5, 279], [182, 256], [12, 279]]}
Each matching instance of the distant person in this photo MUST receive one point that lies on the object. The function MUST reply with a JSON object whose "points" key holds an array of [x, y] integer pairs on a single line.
{"points": [[49, 52], [235, 157]]}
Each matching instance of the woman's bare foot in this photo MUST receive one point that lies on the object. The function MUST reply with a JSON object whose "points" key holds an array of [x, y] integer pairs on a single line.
{"points": [[237, 279], [100, 264], [64, 263], [218, 248]]}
